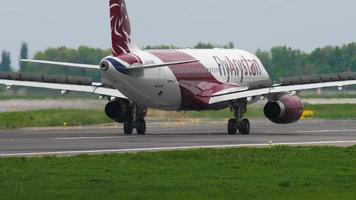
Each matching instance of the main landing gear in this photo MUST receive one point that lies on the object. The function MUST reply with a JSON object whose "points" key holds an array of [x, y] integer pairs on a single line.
{"points": [[139, 125], [136, 121], [239, 108]]}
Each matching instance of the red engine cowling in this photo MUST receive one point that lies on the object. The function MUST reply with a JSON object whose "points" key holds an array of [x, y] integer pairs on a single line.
{"points": [[287, 109]]}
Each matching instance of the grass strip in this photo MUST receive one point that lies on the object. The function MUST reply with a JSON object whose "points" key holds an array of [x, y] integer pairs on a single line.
{"points": [[277, 173], [333, 111]]}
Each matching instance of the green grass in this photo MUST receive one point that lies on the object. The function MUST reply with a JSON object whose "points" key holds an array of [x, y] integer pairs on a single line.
{"points": [[333, 111], [46, 118], [277, 173], [328, 94]]}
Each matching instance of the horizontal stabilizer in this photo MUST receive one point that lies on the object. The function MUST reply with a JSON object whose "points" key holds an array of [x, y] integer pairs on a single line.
{"points": [[77, 65], [163, 64]]}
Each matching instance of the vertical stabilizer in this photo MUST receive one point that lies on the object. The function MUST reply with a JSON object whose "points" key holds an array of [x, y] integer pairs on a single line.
{"points": [[120, 28]]}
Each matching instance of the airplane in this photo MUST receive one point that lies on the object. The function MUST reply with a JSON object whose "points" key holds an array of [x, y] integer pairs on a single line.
{"points": [[181, 80]]}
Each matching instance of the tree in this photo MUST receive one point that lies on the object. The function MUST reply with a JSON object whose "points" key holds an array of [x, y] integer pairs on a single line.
{"points": [[5, 61], [83, 54], [208, 45], [23, 55], [265, 58], [149, 47], [353, 64], [203, 45], [229, 45]]}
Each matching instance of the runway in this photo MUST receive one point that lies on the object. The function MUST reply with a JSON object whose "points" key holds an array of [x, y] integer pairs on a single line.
{"points": [[163, 136]]}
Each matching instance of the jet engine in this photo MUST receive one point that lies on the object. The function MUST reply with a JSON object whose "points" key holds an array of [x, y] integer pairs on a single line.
{"points": [[119, 110], [285, 110]]}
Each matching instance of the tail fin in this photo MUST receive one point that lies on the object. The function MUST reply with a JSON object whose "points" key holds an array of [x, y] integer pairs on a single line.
{"points": [[120, 28]]}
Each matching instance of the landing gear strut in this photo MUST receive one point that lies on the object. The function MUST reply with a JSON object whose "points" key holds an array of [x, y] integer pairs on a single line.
{"points": [[136, 121], [239, 108]]}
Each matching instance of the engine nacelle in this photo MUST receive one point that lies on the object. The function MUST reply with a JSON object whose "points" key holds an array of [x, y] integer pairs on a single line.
{"points": [[119, 110], [287, 109]]}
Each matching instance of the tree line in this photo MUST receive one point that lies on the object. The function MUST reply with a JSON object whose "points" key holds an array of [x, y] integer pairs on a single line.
{"points": [[284, 61], [279, 61]]}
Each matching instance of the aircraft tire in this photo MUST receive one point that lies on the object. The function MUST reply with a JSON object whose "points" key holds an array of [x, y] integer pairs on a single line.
{"points": [[141, 127], [128, 128], [245, 127], [232, 127]]}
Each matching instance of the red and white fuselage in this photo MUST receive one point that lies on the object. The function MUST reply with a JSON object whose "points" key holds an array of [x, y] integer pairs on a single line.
{"points": [[183, 86]]}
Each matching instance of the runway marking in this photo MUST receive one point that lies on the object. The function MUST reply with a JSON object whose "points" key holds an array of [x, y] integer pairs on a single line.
{"points": [[325, 131], [64, 153]]}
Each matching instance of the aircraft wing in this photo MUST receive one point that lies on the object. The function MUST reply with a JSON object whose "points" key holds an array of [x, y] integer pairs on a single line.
{"points": [[287, 85], [93, 88]]}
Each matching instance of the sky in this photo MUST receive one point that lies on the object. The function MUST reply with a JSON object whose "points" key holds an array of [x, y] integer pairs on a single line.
{"points": [[250, 24]]}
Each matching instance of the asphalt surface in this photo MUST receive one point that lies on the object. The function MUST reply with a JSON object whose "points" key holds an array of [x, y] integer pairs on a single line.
{"points": [[171, 136]]}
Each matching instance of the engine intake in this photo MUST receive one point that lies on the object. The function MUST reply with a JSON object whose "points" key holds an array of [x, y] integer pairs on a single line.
{"points": [[287, 109], [119, 110]]}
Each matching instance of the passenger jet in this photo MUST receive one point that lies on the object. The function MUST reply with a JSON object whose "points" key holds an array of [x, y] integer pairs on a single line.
{"points": [[180, 80]]}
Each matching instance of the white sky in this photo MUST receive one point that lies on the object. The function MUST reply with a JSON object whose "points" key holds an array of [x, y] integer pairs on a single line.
{"points": [[250, 24]]}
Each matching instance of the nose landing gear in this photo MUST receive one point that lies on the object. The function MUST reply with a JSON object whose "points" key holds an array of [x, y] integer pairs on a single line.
{"points": [[239, 108]]}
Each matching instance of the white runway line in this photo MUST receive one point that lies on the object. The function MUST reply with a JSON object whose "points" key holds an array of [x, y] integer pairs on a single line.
{"points": [[64, 153], [327, 131]]}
